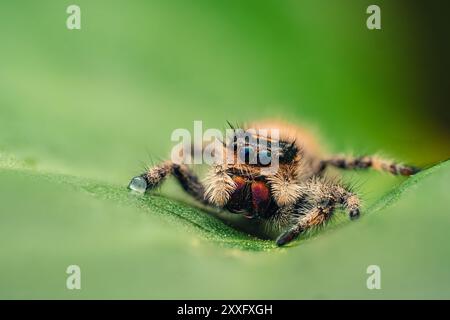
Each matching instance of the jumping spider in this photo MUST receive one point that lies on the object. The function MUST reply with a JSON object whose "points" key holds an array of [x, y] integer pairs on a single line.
{"points": [[294, 198]]}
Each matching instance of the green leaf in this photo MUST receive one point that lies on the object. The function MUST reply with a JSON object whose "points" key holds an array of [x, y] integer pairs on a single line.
{"points": [[192, 219], [80, 109], [154, 247]]}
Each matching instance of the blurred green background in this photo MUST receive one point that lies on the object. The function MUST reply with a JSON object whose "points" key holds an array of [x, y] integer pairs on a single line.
{"points": [[96, 104]]}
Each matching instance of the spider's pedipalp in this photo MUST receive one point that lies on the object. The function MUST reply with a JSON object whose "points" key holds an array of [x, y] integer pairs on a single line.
{"points": [[219, 186], [284, 185]]}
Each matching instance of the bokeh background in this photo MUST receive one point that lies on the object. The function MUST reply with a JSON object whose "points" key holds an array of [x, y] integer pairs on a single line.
{"points": [[98, 103]]}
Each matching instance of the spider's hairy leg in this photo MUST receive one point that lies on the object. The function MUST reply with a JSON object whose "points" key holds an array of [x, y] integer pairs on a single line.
{"points": [[325, 192], [157, 174], [374, 162], [190, 182], [322, 196], [314, 217]]}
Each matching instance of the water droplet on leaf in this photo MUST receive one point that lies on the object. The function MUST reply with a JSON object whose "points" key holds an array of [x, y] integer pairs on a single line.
{"points": [[138, 184]]}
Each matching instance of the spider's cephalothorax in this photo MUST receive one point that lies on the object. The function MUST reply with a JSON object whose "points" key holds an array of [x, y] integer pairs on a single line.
{"points": [[292, 198]]}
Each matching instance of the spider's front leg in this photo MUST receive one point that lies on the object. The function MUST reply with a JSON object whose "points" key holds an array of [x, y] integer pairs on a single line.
{"points": [[317, 206], [156, 175]]}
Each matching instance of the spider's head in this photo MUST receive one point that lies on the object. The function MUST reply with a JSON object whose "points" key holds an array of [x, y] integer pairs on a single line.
{"points": [[252, 150]]}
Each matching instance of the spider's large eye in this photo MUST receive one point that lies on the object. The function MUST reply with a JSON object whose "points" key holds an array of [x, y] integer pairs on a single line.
{"points": [[247, 154], [264, 157]]}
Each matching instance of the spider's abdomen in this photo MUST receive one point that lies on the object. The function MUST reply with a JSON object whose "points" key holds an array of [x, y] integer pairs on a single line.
{"points": [[252, 198]]}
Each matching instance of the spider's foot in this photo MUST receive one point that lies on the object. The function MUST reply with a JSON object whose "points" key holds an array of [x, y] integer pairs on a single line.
{"points": [[408, 170], [354, 214], [288, 236]]}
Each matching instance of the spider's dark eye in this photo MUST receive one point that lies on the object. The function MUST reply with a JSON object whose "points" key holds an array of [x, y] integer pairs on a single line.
{"points": [[247, 154], [264, 157]]}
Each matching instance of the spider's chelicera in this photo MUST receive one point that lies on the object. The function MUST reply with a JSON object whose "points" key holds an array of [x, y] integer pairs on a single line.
{"points": [[295, 196]]}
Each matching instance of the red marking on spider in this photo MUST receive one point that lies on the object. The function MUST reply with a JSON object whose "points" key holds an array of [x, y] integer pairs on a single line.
{"points": [[260, 196]]}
